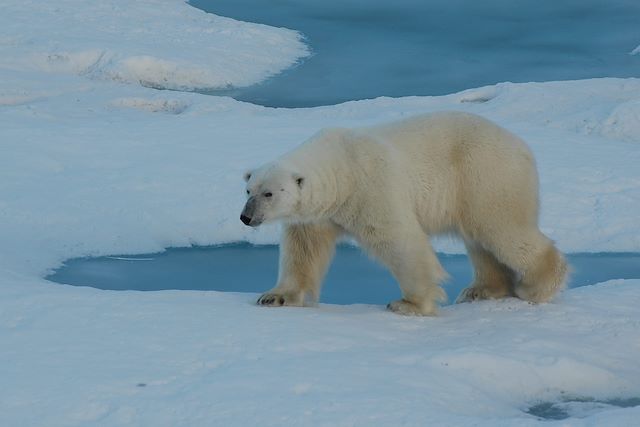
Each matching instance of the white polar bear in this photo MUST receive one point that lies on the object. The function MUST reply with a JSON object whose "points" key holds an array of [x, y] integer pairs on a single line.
{"points": [[392, 186]]}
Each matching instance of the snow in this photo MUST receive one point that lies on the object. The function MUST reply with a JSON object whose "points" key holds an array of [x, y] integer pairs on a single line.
{"points": [[156, 43], [74, 356], [92, 166]]}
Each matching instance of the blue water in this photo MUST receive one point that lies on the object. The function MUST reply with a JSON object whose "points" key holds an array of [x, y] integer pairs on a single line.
{"points": [[365, 49], [352, 278], [578, 406]]}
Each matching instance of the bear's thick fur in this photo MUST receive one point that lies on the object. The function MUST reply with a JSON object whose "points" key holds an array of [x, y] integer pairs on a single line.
{"points": [[392, 186]]}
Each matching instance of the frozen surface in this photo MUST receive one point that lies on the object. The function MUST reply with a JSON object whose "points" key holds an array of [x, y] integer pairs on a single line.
{"points": [[92, 166], [353, 278], [365, 49], [156, 43], [81, 356]]}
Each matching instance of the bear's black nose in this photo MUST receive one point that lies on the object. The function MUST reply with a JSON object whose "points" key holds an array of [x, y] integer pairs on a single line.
{"points": [[245, 219]]}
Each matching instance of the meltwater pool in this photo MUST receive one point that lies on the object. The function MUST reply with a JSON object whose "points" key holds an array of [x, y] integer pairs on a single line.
{"points": [[352, 278]]}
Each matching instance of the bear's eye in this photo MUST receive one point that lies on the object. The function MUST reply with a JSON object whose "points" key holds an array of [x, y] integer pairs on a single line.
{"points": [[247, 191], [268, 194]]}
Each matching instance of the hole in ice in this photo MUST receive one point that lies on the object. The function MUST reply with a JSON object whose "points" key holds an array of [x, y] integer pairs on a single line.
{"points": [[578, 407], [352, 277]]}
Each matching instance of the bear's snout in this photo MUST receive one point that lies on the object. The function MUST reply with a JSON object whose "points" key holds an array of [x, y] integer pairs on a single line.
{"points": [[248, 215], [245, 219]]}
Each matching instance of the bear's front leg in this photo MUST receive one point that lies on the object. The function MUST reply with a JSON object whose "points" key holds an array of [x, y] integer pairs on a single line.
{"points": [[415, 266], [305, 253]]}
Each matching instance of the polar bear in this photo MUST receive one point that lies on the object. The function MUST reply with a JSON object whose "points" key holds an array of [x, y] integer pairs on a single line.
{"points": [[390, 187]]}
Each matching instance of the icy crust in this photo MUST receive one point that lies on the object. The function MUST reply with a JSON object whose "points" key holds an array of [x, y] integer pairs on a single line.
{"points": [[163, 44], [79, 356]]}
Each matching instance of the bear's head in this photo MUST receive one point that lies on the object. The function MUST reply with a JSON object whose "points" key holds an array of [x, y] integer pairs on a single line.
{"points": [[273, 193]]}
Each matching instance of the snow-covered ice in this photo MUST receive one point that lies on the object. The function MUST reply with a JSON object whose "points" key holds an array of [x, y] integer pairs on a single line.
{"points": [[157, 43], [91, 165], [79, 356]]}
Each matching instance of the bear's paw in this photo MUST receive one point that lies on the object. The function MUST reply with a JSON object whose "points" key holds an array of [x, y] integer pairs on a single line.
{"points": [[277, 299], [408, 308], [477, 293]]}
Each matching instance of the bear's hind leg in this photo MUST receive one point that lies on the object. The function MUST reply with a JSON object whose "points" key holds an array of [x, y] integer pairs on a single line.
{"points": [[415, 266], [305, 253], [492, 279], [541, 268], [544, 278]]}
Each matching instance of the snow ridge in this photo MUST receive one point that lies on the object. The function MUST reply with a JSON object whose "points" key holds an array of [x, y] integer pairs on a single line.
{"points": [[163, 44]]}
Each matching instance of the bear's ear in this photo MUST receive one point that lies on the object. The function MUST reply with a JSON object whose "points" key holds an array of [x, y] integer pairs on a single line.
{"points": [[299, 179], [247, 176]]}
